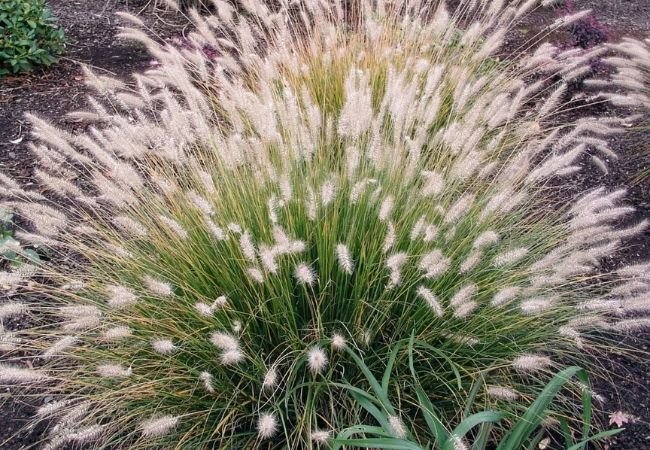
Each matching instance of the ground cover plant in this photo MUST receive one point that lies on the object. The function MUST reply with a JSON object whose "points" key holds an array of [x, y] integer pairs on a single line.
{"points": [[28, 36], [335, 178]]}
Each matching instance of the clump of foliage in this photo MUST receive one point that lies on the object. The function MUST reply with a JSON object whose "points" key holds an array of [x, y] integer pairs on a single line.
{"points": [[480, 430], [588, 31], [334, 179], [28, 36]]}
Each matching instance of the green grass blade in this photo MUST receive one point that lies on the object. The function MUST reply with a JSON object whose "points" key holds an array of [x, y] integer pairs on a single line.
{"points": [[374, 384], [345, 434], [566, 432], [470, 422], [472, 395], [586, 407], [483, 435], [536, 412], [387, 443], [389, 368], [435, 425], [596, 437]]}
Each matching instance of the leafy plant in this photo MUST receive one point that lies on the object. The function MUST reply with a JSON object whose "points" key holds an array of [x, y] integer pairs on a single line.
{"points": [[332, 179], [523, 431], [28, 36], [10, 249]]}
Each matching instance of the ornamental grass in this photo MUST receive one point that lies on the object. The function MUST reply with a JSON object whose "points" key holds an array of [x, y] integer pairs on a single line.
{"points": [[304, 180]]}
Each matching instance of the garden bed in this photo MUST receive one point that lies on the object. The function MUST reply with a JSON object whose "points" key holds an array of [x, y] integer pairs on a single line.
{"points": [[90, 27]]}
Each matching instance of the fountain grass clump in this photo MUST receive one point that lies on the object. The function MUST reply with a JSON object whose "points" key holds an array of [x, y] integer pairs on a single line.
{"points": [[334, 178]]}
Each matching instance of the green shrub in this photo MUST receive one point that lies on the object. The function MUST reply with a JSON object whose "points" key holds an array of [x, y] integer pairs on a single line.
{"points": [[28, 36], [234, 222]]}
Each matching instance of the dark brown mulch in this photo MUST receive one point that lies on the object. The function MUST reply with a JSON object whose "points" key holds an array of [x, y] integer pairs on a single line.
{"points": [[90, 27]]}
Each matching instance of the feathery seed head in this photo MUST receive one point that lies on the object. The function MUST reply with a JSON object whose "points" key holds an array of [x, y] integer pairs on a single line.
{"points": [[113, 371], [12, 374], [229, 168], [159, 426], [116, 333], [397, 427], [267, 425], [320, 437], [224, 341], [158, 287], [502, 393], [206, 378], [270, 378], [163, 346], [12, 309], [531, 363], [316, 360], [338, 342], [120, 297], [345, 260], [304, 274], [231, 357]]}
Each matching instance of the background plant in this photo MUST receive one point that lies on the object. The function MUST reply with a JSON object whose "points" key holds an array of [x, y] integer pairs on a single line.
{"points": [[11, 251], [28, 36], [395, 431], [332, 179]]}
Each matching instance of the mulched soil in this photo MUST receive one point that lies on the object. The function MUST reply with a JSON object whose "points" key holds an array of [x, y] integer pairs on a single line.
{"points": [[90, 27]]}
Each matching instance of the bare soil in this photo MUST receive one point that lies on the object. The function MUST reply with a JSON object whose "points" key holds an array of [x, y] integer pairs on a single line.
{"points": [[90, 27]]}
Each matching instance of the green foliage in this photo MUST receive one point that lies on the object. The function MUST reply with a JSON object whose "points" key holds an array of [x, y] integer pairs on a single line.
{"points": [[28, 36], [10, 249], [523, 431]]}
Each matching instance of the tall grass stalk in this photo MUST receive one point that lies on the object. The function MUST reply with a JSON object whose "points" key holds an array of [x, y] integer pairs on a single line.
{"points": [[335, 178]]}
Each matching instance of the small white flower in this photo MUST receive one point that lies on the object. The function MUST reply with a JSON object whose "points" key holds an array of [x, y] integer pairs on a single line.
{"points": [[267, 425], [316, 360]]}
